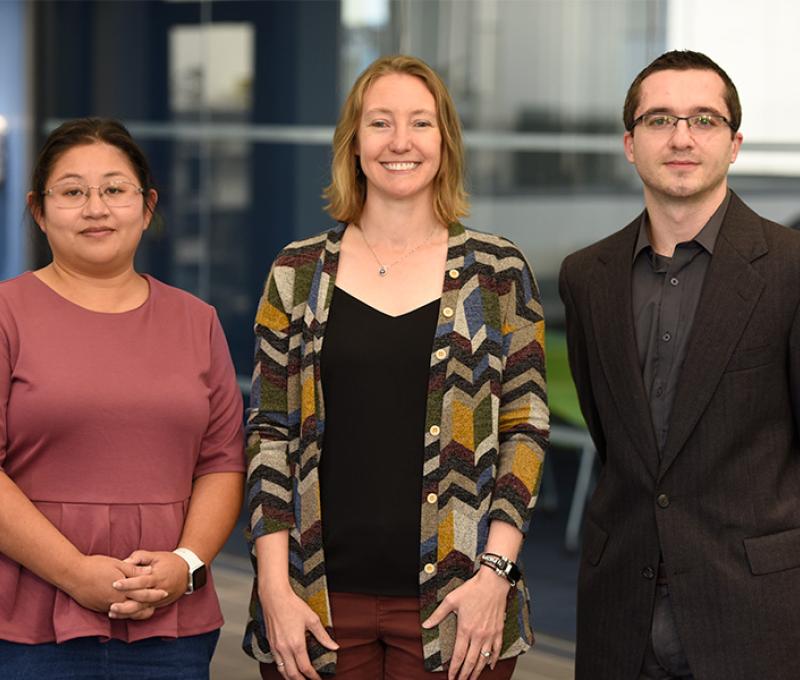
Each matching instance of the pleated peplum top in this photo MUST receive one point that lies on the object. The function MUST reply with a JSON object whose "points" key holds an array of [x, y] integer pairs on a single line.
{"points": [[105, 421]]}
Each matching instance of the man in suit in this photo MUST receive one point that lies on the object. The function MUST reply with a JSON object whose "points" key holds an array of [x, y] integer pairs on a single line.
{"points": [[684, 342]]}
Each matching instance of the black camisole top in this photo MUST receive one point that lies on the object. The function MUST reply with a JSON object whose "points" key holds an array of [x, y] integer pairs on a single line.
{"points": [[374, 371]]}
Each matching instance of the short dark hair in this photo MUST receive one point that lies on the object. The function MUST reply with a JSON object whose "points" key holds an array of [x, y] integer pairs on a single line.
{"points": [[80, 132], [683, 60]]}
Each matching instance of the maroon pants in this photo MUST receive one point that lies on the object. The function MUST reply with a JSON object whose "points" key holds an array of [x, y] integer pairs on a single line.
{"points": [[380, 639]]}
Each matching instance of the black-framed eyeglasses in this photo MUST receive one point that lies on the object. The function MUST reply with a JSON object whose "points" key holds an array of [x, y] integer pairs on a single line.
{"points": [[118, 193], [667, 122]]}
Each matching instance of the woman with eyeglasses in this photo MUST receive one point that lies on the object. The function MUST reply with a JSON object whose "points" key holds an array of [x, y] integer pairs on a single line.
{"points": [[121, 451], [399, 417]]}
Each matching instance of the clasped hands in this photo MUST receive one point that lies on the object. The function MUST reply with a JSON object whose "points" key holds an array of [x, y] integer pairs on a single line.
{"points": [[132, 588]]}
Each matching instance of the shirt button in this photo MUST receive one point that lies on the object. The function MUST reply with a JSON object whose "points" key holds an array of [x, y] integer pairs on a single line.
{"points": [[663, 500], [441, 353], [648, 573], [432, 498], [429, 568], [674, 281], [448, 312], [434, 430], [453, 273], [659, 391], [667, 336]]}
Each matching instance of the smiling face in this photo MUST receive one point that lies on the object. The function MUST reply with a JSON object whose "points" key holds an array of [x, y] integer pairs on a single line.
{"points": [[93, 238], [399, 143], [680, 163]]}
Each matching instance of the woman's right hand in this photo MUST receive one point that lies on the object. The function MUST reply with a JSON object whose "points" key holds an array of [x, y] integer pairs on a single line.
{"points": [[288, 619], [29, 538], [90, 583]]}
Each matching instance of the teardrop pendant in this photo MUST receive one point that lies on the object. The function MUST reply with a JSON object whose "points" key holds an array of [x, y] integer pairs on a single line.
{"points": [[382, 271]]}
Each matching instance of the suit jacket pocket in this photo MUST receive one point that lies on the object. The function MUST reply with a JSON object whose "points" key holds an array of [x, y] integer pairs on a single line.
{"points": [[594, 542], [752, 358], [773, 552]]}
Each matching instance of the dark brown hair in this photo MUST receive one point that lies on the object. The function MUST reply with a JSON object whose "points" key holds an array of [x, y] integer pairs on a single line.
{"points": [[683, 60], [80, 132]]}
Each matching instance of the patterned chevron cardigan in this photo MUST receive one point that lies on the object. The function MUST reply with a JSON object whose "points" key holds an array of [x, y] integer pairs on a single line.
{"points": [[486, 431]]}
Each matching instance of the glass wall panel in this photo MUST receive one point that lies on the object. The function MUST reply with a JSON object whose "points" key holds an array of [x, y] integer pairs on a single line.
{"points": [[235, 101], [241, 97]]}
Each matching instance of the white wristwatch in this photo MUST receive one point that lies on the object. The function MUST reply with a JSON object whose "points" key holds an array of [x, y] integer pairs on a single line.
{"points": [[197, 569]]}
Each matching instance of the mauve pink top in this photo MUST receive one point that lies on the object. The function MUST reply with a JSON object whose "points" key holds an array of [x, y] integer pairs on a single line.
{"points": [[105, 420]]}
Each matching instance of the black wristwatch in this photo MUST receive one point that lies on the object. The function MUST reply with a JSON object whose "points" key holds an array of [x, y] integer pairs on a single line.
{"points": [[502, 566], [197, 569]]}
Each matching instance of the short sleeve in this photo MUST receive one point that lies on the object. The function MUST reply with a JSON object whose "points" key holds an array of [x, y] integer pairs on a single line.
{"points": [[5, 388], [222, 447], [9, 347]]}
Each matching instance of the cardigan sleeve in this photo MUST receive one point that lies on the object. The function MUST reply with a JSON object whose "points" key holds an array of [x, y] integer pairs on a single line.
{"points": [[524, 415], [270, 425]]}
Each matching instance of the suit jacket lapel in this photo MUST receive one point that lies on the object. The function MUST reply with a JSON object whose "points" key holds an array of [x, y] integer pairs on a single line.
{"points": [[612, 317], [730, 291]]}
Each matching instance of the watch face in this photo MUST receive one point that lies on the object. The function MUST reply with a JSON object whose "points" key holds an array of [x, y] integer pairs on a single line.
{"points": [[199, 577]]}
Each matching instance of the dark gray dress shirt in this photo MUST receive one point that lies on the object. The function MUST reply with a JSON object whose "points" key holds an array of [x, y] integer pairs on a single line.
{"points": [[666, 291]]}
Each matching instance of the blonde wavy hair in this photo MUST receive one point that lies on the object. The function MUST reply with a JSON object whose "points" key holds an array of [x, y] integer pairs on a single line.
{"points": [[347, 191]]}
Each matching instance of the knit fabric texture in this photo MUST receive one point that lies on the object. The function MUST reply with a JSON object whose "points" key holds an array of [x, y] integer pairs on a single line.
{"points": [[486, 431]]}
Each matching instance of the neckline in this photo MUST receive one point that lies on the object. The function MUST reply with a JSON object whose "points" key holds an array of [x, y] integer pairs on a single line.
{"points": [[56, 295], [425, 305]]}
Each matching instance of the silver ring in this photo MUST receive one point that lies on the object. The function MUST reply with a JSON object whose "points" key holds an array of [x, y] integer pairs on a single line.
{"points": [[485, 653], [280, 664]]}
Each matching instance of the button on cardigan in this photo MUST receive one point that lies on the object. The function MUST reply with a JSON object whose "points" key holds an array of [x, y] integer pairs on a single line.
{"points": [[486, 404]]}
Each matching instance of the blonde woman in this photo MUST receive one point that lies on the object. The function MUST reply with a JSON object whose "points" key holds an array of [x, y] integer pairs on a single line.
{"points": [[399, 417]]}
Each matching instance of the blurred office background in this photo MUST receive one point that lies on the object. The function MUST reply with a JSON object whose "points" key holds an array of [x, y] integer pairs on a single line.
{"points": [[235, 102]]}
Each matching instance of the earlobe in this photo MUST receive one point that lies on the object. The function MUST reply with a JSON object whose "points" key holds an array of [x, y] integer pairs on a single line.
{"points": [[35, 211], [627, 142], [150, 202], [737, 145]]}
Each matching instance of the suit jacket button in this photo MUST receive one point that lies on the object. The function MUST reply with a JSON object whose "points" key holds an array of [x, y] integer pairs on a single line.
{"points": [[663, 500], [649, 573]]}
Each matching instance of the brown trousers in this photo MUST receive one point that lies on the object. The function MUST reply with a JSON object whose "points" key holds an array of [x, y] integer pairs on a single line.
{"points": [[380, 639]]}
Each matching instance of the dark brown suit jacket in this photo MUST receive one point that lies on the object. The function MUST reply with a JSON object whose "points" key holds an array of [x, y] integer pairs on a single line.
{"points": [[722, 503]]}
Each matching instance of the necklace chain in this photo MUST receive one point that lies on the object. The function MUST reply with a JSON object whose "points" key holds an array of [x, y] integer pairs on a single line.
{"points": [[383, 269]]}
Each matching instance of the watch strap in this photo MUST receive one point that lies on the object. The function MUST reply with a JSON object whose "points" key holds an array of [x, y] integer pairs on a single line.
{"points": [[196, 565], [502, 566]]}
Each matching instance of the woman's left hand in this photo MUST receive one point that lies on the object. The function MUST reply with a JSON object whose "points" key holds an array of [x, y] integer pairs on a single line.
{"points": [[169, 574], [480, 607]]}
